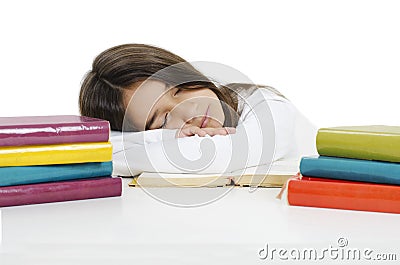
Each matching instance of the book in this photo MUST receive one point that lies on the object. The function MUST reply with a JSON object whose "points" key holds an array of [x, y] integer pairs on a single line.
{"points": [[351, 169], [267, 175], [55, 154], [60, 191], [18, 175], [57, 129], [373, 142], [342, 194]]}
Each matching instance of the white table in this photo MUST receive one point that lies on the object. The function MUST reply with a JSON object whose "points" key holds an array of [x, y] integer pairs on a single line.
{"points": [[138, 229]]}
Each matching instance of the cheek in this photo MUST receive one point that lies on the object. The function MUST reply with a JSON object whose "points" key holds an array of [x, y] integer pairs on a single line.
{"points": [[136, 116], [175, 124], [193, 93], [218, 113], [202, 98]]}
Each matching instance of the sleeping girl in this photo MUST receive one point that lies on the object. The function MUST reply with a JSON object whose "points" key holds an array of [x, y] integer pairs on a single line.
{"points": [[167, 116]]}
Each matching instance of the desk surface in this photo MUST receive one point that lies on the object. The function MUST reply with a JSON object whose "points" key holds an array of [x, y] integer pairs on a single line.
{"points": [[231, 230]]}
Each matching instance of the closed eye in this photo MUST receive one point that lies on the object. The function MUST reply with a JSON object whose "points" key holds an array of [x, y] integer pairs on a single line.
{"points": [[166, 114], [164, 122], [177, 91]]}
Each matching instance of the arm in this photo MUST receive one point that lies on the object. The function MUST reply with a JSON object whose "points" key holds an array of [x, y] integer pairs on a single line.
{"points": [[253, 144]]}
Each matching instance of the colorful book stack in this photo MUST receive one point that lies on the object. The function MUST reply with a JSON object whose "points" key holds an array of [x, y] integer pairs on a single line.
{"points": [[55, 158], [358, 169]]}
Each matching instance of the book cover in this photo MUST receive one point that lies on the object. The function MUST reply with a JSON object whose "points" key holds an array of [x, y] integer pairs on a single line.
{"points": [[60, 191], [372, 142], [351, 169], [342, 194], [57, 129], [10, 176], [267, 175], [30, 155]]}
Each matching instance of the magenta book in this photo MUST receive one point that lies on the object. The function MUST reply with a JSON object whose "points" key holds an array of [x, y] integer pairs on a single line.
{"points": [[57, 129], [60, 191]]}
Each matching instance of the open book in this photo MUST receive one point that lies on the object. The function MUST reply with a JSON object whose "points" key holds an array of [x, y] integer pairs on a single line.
{"points": [[268, 175]]}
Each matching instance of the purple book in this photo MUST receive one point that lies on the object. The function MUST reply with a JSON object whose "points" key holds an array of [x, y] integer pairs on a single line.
{"points": [[58, 129], [60, 191]]}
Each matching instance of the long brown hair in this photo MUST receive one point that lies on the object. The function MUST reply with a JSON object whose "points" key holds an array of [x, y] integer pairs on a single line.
{"points": [[117, 68]]}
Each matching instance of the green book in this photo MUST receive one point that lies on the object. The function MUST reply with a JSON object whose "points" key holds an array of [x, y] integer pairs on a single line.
{"points": [[370, 142]]}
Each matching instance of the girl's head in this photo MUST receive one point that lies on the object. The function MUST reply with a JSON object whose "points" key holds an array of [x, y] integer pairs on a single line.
{"points": [[153, 88]]}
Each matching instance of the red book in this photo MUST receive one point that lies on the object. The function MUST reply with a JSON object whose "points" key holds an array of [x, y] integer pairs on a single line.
{"points": [[60, 191], [58, 129], [340, 194]]}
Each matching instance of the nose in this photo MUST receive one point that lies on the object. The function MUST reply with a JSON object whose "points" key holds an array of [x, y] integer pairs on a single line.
{"points": [[184, 112]]}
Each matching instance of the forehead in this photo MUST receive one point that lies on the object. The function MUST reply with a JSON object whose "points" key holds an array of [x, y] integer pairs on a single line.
{"points": [[139, 100]]}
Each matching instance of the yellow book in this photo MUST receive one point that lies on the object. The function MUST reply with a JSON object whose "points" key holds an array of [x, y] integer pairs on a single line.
{"points": [[55, 154], [274, 175]]}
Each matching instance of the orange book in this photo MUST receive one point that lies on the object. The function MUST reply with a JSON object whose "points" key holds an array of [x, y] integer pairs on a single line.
{"points": [[341, 194]]}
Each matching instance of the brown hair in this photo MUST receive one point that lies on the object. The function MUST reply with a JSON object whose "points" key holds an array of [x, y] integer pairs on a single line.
{"points": [[117, 68]]}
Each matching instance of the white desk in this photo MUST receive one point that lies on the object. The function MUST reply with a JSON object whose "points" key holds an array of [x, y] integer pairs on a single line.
{"points": [[137, 229]]}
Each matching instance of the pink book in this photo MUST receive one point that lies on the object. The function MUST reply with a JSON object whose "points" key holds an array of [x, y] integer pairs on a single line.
{"points": [[60, 191], [44, 130]]}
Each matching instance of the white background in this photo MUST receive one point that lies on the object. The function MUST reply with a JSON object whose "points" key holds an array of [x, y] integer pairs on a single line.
{"points": [[338, 61]]}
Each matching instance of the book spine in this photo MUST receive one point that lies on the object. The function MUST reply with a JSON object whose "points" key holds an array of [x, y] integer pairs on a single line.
{"points": [[58, 133], [359, 145], [60, 191], [314, 192], [55, 154], [351, 169], [10, 176]]}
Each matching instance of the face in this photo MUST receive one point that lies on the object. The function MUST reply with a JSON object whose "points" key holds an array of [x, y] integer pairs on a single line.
{"points": [[153, 104]]}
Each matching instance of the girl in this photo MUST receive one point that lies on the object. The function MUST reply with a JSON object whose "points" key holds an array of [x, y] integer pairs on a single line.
{"points": [[138, 87]]}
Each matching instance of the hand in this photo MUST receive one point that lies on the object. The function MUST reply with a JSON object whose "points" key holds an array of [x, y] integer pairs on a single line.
{"points": [[193, 130]]}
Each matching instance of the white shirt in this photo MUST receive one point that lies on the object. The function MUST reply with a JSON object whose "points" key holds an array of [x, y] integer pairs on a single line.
{"points": [[270, 128]]}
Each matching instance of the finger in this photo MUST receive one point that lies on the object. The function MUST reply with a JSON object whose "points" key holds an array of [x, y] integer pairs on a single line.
{"points": [[230, 130], [181, 134], [196, 130], [193, 130], [185, 132], [209, 131], [222, 131], [215, 131]]}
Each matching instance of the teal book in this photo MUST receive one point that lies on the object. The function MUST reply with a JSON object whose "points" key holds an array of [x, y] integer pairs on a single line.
{"points": [[351, 169], [10, 176]]}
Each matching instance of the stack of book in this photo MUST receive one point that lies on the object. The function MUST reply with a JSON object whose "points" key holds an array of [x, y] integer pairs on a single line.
{"points": [[358, 168], [55, 158]]}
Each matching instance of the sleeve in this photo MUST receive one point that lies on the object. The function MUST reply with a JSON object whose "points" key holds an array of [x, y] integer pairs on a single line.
{"points": [[264, 134]]}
